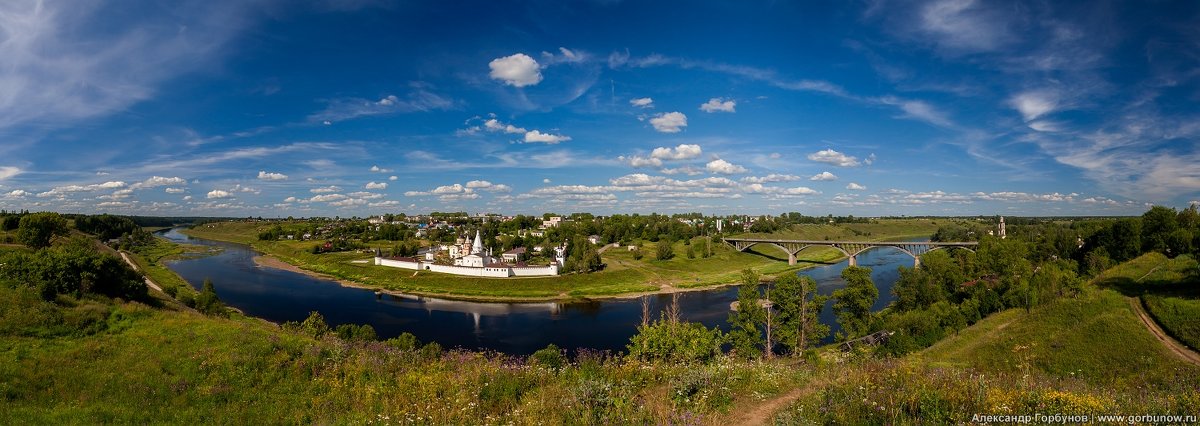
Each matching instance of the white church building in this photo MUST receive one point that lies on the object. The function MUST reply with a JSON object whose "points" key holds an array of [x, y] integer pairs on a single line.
{"points": [[478, 262]]}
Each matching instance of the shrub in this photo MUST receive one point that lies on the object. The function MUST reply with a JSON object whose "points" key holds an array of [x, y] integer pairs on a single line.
{"points": [[550, 357], [670, 341], [405, 341]]}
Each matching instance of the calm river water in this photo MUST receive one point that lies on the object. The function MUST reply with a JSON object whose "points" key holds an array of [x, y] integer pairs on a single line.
{"points": [[514, 328]]}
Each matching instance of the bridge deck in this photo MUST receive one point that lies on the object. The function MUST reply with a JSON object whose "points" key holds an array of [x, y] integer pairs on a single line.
{"points": [[876, 243]]}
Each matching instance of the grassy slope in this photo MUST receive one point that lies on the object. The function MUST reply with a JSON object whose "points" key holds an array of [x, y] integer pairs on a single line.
{"points": [[1168, 288], [1088, 355], [624, 275], [160, 366]]}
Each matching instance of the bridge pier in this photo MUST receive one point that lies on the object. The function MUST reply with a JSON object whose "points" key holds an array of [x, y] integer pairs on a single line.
{"points": [[916, 262], [791, 258], [853, 260]]}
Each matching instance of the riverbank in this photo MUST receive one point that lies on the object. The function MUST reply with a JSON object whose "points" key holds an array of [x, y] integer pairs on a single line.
{"points": [[623, 277]]}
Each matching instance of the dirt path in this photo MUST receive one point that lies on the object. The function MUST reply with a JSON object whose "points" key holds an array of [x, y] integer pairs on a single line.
{"points": [[1177, 348], [149, 282], [764, 412]]}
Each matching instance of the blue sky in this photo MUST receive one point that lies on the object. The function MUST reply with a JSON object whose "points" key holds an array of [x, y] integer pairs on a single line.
{"points": [[271, 108]]}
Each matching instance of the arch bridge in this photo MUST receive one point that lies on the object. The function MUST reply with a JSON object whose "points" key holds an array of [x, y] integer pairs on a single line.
{"points": [[850, 248]]}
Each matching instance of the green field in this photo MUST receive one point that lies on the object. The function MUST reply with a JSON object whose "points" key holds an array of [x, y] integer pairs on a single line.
{"points": [[623, 275], [1168, 288]]}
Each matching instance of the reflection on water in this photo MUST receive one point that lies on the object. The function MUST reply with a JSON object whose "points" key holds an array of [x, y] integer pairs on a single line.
{"points": [[516, 328]]}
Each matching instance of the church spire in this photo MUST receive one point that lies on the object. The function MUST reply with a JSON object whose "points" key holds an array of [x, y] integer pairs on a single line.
{"points": [[478, 246]]}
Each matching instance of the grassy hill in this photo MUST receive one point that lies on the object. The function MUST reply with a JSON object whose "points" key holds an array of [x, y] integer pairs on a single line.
{"points": [[1085, 355]]}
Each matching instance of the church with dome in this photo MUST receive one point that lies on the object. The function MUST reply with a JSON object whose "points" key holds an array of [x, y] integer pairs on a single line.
{"points": [[477, 256]]}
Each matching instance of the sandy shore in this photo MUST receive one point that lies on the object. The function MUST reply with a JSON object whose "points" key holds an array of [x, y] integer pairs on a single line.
{"points": [[269, 261]]}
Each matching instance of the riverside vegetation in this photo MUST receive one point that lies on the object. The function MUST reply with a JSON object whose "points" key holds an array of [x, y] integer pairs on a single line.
{"points": [[82, 345], [658, 264]]}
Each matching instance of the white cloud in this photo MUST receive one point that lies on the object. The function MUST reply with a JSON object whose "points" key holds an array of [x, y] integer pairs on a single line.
{"points": [[642, 102], [639, 161], [1034, 104], [8, 171], [830, 156], [325, 198], [484, 185], [217, 193], [59, 191], [16, 194], [687, 170], [535, 136], [724, 167], [175, 190], [376, 185], [773, 177], [494, 125], [855, 187], [263, 175], [393, 178], [546, 180], [451, 189], [378, 169], [390, 203], [918, 110], [420, 99], [681, 152], [156, 181], [187, 198], [517, 70], [670, 122], [823, 176], [332, 188], [717, 105]]}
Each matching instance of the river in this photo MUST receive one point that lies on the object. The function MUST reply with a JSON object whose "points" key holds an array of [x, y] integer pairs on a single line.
{"points": [[515, 328]]}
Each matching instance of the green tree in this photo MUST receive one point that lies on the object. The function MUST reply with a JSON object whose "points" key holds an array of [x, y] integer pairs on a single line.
{"points": [[745, 334], [38, 229], [664, 250], [691, 252], [1157, 226], [798, 308], [207, 301], [853, 303]]}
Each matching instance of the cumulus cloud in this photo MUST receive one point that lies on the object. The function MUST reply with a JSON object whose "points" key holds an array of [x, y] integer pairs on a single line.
{"points": [[494, 125], [60, 191], [830, 156], [264, 175], [175, 190], [156, 181], [376, 185], [669, 122], [724, 167], [484, 185], [217, 193], [639, 161], [681, 152], [517, 70], [325, 198], [718, 105], [855, 187], [642, 102], [378, 169], [393, 178], [823, 176], [535, 136], [332, 188], [16, 194], [773, 177]]}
